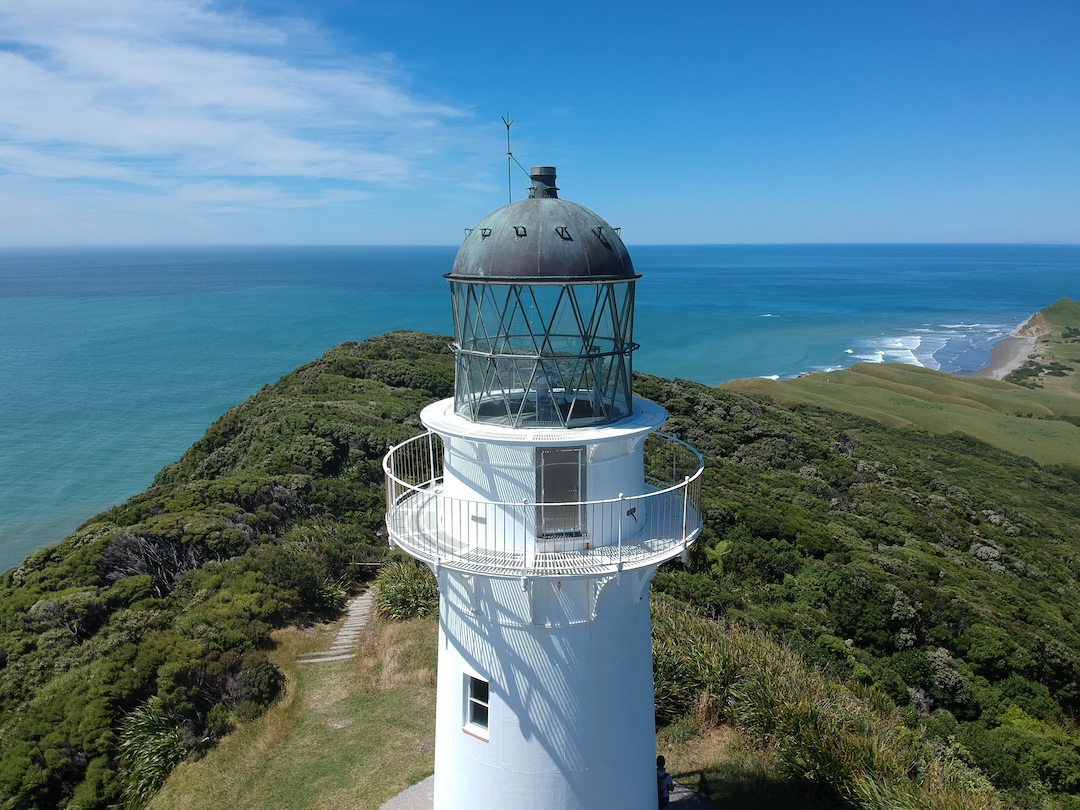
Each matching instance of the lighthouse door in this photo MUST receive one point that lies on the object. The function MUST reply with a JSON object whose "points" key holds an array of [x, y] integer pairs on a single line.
{"points": [[560, 490]]}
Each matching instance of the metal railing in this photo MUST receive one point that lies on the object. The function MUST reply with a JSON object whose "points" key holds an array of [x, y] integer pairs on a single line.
{"points": [[501, 538]]}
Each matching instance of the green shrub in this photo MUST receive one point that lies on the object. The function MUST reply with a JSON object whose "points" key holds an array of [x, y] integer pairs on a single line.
{"points": [[699, 590], [404, 589], [151, 745]]}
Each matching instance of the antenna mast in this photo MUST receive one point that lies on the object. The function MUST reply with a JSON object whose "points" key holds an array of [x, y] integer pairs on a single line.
{"points": [[509, 159]]}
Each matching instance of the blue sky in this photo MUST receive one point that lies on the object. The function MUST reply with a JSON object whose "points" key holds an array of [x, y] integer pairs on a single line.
{"points": [[371, 122]]}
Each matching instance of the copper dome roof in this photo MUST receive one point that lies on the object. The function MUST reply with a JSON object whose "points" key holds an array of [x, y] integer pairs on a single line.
{"points": [[543, 238]]}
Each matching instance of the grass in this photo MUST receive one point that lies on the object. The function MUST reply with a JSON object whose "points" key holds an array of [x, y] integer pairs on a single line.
{"points": [[351, 735], [1009, 417], [347, 735]]}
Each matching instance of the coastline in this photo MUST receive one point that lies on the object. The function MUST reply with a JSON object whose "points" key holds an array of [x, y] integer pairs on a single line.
{"points": [[1009, 354], [1006, 356]]}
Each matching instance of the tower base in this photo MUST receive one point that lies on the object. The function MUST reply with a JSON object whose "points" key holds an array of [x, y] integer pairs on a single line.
{"points": [[545, 693]]}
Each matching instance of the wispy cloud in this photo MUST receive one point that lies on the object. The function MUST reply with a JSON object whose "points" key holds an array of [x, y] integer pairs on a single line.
{"points": [[188, 100], [221, 197]]}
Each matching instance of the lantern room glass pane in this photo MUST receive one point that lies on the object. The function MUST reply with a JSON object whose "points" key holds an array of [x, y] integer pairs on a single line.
{"points": [[543, 354]]}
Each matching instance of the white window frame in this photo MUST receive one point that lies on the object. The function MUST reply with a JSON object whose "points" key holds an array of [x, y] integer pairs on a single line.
{"points": [[472, 701]]}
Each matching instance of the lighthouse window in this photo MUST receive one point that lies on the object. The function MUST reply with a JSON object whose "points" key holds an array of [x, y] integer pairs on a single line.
{"points": [[477, 706]]}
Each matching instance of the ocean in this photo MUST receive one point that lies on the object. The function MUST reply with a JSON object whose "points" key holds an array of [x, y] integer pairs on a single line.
{"points": [[114, 360]]}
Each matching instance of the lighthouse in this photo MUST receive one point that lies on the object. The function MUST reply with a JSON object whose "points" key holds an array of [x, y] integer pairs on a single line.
{"points": [[544, 496]]}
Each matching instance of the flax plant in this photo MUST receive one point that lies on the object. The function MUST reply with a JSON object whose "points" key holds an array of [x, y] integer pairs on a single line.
{"points": [[151, 745], [405, 589]]}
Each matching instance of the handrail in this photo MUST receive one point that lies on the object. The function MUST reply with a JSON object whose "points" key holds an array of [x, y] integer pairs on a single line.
{"points": [[500, 538]]}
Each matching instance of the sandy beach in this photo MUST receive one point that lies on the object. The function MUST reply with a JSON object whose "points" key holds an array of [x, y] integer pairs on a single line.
{"points": [[1007, 355], [1012, 352]]}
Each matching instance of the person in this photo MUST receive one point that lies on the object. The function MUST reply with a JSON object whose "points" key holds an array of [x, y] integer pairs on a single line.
{"points": [[664, 783]]}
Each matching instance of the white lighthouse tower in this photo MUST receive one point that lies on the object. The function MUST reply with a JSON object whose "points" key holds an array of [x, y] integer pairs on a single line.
{"points": [[543, 498]]}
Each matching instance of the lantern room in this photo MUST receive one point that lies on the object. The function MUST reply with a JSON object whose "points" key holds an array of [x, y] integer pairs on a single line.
{"points": [[543, 302]]}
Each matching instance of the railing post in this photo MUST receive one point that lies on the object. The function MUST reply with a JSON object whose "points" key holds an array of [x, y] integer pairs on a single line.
{"points": [[437, 525], [686, 497], [391, 499], [525, 542], [431, 457], [620, 519]]}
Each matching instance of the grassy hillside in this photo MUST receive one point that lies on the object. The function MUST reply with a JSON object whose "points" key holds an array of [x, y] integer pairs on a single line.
{"points": [[930, 577], [1045, 428]]}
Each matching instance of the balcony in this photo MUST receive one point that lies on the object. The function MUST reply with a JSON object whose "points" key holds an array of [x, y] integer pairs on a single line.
{"points": [[501, 539]]}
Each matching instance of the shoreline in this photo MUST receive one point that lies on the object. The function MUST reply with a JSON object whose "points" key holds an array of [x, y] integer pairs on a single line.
{"points": [[1006, 356], [1009, 354]]}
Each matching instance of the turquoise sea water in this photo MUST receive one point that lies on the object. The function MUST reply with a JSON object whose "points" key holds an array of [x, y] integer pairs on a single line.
{"points": [[113, 361]]}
